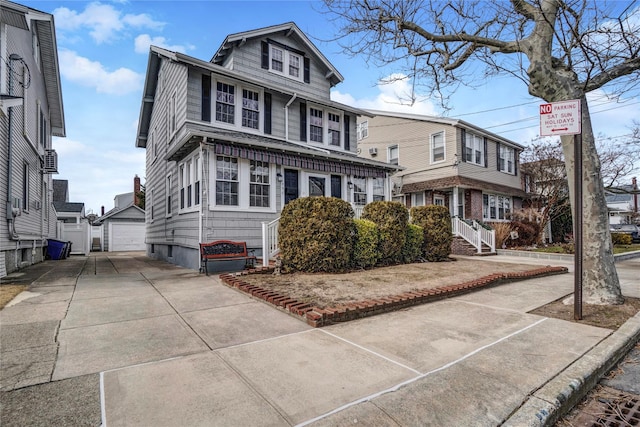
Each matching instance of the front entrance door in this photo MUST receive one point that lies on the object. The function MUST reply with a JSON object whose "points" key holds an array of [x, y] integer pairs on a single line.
{"points": [[336, 186], [291, 191]]}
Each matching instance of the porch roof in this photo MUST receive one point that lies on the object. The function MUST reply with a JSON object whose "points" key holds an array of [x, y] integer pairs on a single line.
{"points": [[461, 181]]}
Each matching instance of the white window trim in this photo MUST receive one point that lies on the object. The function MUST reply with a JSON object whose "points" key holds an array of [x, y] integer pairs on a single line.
{"points": [[444, 147], [474, 138], [384, 188], [325, 127], [439, 197], [496, 198], [237, 114], [286, 58], [389, 158], [305, 183], [168, 196], [414, 201], [513, 152], [243, 188], [172, 119], [183, 183], [363, 130], [368, 185]]}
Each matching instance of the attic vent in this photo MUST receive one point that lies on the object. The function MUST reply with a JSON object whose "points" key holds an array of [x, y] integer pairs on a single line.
{"points": [[50, 161], [373, 151]]}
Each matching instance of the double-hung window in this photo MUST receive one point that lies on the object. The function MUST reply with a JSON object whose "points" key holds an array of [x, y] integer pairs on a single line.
{"points": [[334, 129], [474, 149], [189, 183], [359, 191], [227, 180], [286, 62], [250, 109], [393, 155], [315, 125], [196, 180], [496, 207], [506, 159], [277, 59], [378, 189], [169, 207], [294, 65], [437, 147], [363, 130], [225, 103], [259, 184]]}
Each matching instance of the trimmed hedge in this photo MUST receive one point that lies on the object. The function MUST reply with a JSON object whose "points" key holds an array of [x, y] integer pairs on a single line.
{"points": [[436, 224], [317, 234], [392, 219], [412, 250], [365, 250]]}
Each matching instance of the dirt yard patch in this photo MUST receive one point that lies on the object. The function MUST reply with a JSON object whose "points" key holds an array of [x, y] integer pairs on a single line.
{"points": [[9, 292], [603, 316], [330, 290]]}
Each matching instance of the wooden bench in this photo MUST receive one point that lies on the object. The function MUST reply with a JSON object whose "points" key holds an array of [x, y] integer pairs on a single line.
{"points": [[225, 250]]}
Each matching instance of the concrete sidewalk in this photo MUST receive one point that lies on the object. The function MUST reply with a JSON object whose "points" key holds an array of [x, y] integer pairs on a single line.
{"points": [[120, 339]]}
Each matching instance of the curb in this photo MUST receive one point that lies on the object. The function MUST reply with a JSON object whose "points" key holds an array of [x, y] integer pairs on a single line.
{"points": [[548, 404], [560, 257]]}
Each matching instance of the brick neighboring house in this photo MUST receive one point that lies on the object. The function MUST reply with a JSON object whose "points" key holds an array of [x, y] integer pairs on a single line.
{"points": [[448, 162], [230, 141], [31, 112]]}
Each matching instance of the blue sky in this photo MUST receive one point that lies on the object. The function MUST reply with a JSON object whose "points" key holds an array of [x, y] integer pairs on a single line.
{"points": [[103, 51]]}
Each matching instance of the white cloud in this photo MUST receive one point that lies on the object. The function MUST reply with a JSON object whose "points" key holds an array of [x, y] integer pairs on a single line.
{"points": [[103, 21], [92, 74], [143, 41], [393, 96]]}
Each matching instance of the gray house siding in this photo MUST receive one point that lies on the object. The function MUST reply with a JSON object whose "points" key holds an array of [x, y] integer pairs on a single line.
{"points": [[31, 124], [249, 154]]}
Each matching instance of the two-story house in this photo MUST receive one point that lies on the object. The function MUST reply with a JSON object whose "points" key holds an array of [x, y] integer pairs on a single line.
{"points": [[230, 141], [446, 162], [31, 112]]}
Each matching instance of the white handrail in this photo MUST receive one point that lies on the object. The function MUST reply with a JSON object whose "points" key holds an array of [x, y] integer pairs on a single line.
{"points": [[467, 232], [270, 245], [488, 237]]}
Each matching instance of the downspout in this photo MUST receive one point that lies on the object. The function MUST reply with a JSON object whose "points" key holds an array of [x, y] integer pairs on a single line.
{"points": [[202, 180], [9, 214], [286, 116]]}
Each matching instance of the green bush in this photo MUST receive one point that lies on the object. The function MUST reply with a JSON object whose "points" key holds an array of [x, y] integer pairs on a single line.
{"points": [[621, 238], [436, 225], [365, 250], [392, 219], [316, 234], [412, 250]]}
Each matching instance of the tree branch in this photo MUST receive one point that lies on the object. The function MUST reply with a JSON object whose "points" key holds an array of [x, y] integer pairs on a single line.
{"points": [[623, 69]]}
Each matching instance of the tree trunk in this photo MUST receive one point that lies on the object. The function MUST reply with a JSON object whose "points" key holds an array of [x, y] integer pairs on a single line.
{"points": [[600, 278]]}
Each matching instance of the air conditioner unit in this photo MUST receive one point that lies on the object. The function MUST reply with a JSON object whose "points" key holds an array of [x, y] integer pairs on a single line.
{"points": [[373, 151], [50, 161]]}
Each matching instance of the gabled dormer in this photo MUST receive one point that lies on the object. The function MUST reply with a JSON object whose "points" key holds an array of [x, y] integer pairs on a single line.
{"points": [[280, 54]]}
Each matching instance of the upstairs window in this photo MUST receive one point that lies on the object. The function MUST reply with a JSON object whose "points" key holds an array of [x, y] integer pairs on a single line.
{"points": [[172, 114], [334, 129], [437, 147], [250, 109], [315, 125], [393, 155], [474, 149], [506, 159], [363, 130], [225, 103], [286, 61]]}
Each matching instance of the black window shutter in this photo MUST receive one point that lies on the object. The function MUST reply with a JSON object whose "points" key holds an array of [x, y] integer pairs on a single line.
{"points": [[267, 113], [486, 157], [307, 70], [463, 137], [516, 156], [498, 156], [347, 133], [265, 55], [303, 121], [206, 98]]}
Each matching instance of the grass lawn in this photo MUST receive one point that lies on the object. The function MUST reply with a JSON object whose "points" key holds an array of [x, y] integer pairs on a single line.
{"points": [[563, 249]]}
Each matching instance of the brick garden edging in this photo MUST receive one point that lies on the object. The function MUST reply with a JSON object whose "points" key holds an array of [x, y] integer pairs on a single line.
{"points": [[318, 317]]}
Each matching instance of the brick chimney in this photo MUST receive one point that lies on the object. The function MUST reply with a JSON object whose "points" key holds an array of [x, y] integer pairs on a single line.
{"points": [[136, 190], [102, 211]]}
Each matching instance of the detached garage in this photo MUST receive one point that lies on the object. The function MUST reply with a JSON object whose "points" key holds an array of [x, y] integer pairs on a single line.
{"points": [[124, 229]]}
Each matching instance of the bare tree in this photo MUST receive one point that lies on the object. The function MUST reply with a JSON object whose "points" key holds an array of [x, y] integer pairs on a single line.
{"points": [[560, 49]]}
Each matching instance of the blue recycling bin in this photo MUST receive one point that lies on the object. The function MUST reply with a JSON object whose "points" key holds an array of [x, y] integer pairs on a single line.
{"points": [[56, 249]]}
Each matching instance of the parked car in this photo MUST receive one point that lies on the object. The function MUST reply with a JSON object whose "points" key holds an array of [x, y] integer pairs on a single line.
{"points": [[630, 229]]}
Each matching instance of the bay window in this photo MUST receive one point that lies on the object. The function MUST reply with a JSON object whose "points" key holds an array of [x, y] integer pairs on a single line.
{"points": [[496, 207]]}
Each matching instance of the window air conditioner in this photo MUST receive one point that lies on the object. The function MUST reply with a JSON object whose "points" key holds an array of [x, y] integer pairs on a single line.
{"points": [[50, 161], [373, 151]]}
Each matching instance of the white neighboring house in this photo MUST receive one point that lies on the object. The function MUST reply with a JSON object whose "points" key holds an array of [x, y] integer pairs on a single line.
{"points": [[31, 112], [123, 227], [623, 204]]}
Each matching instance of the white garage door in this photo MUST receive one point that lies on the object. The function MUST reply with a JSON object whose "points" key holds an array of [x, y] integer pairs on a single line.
{"points": [[126, 236]]}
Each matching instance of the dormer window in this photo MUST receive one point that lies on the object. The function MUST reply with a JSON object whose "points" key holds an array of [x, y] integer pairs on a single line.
{"points": [[286, 61]]}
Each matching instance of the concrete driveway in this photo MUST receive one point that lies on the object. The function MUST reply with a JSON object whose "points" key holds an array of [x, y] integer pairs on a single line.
{"points": [[147, 343]]}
